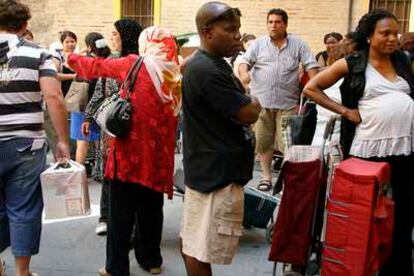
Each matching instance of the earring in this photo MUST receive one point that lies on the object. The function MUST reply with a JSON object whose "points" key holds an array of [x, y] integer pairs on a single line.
{"points": [[368, 40]]}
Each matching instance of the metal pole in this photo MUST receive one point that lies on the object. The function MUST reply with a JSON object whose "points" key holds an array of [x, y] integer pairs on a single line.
{"points": [[351, 7]]}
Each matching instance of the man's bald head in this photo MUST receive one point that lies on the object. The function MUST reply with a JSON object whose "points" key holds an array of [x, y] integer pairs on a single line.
{"points": [[407, 36], [214, 11], [219, 29]]}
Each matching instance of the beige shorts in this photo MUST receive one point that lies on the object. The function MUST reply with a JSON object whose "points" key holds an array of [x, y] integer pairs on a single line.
{"points": [[268, 130], [212, 224]]}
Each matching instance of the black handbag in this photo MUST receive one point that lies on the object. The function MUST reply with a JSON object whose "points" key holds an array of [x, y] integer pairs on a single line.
{"points": [[119, 110], [299, 129]]}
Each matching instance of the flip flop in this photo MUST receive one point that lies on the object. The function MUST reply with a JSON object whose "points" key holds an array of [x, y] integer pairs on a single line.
{"points": [[265, 185]]}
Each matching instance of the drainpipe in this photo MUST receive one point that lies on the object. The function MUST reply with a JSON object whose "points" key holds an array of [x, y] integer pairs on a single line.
{"points": [[351, 7]]}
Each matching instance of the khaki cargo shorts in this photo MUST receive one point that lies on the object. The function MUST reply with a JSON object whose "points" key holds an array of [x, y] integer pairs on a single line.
{"points": [[212, 224], [268, 129]]}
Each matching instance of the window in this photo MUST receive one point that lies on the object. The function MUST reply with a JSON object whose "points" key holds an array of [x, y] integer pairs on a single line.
{"points": [[140, 10], [400, 8]]}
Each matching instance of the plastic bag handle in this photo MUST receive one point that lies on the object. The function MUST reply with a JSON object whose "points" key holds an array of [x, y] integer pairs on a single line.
{"points": [[63, 165]]}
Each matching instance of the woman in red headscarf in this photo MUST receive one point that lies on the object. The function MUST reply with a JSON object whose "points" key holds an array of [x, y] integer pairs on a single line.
{"points": [[140, 165]]}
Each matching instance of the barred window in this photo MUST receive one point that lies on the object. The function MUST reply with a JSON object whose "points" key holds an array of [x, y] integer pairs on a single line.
{"points": [[140, 10], [400, 8]]}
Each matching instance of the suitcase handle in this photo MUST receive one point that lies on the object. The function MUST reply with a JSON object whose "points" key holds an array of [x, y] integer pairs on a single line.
{"points": [[330, 127], [327, 136]]}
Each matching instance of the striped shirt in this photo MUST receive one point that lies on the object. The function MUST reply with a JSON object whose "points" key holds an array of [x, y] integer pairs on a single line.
{"points": [[275, 72], [22, 64]]}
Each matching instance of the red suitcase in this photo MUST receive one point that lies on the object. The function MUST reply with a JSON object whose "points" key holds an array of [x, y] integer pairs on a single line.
{"points": [[359, 219], [302, 179]]}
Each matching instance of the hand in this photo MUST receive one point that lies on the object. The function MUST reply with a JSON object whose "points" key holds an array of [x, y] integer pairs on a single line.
{"points": [[245, 80], [353, 116], [254, 98], [85, 128], [62, 152]]}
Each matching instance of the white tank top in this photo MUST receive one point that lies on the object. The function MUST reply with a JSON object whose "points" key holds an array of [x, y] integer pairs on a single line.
{"points": [[387, 113]]}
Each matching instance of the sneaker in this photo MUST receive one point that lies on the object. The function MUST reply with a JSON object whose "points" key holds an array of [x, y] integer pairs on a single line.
{"points": [[103, 272], [152, 270], [155, 270], [101, 229], [2, 267]]}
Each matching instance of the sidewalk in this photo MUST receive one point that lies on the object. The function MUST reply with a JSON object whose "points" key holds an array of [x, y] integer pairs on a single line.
{"points": [[70, 247]]}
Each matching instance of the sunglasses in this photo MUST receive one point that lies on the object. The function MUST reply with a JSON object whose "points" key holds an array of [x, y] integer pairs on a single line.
{"points": [[225, 14]]}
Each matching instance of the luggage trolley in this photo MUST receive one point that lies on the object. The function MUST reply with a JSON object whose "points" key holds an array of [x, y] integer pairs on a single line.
{"points": [[306, 175]]}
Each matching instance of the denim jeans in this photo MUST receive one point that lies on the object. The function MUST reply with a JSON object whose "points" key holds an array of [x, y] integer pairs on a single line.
{"points": [[21, 204]]}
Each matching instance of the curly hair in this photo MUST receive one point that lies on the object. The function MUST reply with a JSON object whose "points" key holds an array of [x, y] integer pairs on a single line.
{"points": [[13, 15], [366, 26], [335, 35]]}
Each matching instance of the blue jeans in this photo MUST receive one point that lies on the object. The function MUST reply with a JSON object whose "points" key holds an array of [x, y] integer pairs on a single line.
{"points": [[21, 202]]}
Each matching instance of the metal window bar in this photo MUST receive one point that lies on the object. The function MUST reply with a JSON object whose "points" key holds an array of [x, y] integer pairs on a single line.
{"points": [[400, 8], [140, 10]]}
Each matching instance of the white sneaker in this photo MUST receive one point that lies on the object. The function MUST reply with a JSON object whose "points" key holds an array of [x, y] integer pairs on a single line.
{"points": [[101, 229]]}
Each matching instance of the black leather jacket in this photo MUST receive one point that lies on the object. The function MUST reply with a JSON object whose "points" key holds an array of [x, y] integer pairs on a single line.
{"points": [[352, 88]]}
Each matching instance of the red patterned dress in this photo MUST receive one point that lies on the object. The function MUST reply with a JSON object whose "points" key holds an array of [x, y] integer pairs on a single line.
{"points": [[146, 154]]}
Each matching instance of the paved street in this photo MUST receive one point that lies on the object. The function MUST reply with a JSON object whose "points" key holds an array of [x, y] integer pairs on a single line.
{"points": [[70, 247]]}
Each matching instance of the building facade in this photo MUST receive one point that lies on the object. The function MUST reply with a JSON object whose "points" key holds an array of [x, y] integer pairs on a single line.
{"points": [[307, 18]]}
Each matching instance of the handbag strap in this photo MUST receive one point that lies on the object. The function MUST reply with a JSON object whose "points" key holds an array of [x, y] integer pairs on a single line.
{"points": [[132, 76], [302, 104]]}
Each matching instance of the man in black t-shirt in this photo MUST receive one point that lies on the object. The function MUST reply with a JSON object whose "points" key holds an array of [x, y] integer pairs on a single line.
{"points": [[218, 150]]}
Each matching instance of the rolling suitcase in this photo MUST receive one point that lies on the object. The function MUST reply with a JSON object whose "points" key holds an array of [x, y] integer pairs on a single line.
{"points": [[302, 176], [258, 207], [359, 219]]}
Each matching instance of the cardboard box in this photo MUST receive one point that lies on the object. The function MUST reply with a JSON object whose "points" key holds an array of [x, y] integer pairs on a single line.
{"points": [[65, 191]]}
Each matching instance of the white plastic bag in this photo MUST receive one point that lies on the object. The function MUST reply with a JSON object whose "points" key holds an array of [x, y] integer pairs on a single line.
{"points": [[65, 190]]}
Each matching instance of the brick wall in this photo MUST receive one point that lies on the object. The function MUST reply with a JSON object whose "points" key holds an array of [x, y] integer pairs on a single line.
{"points": [[80, 16], [307, 18]]}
